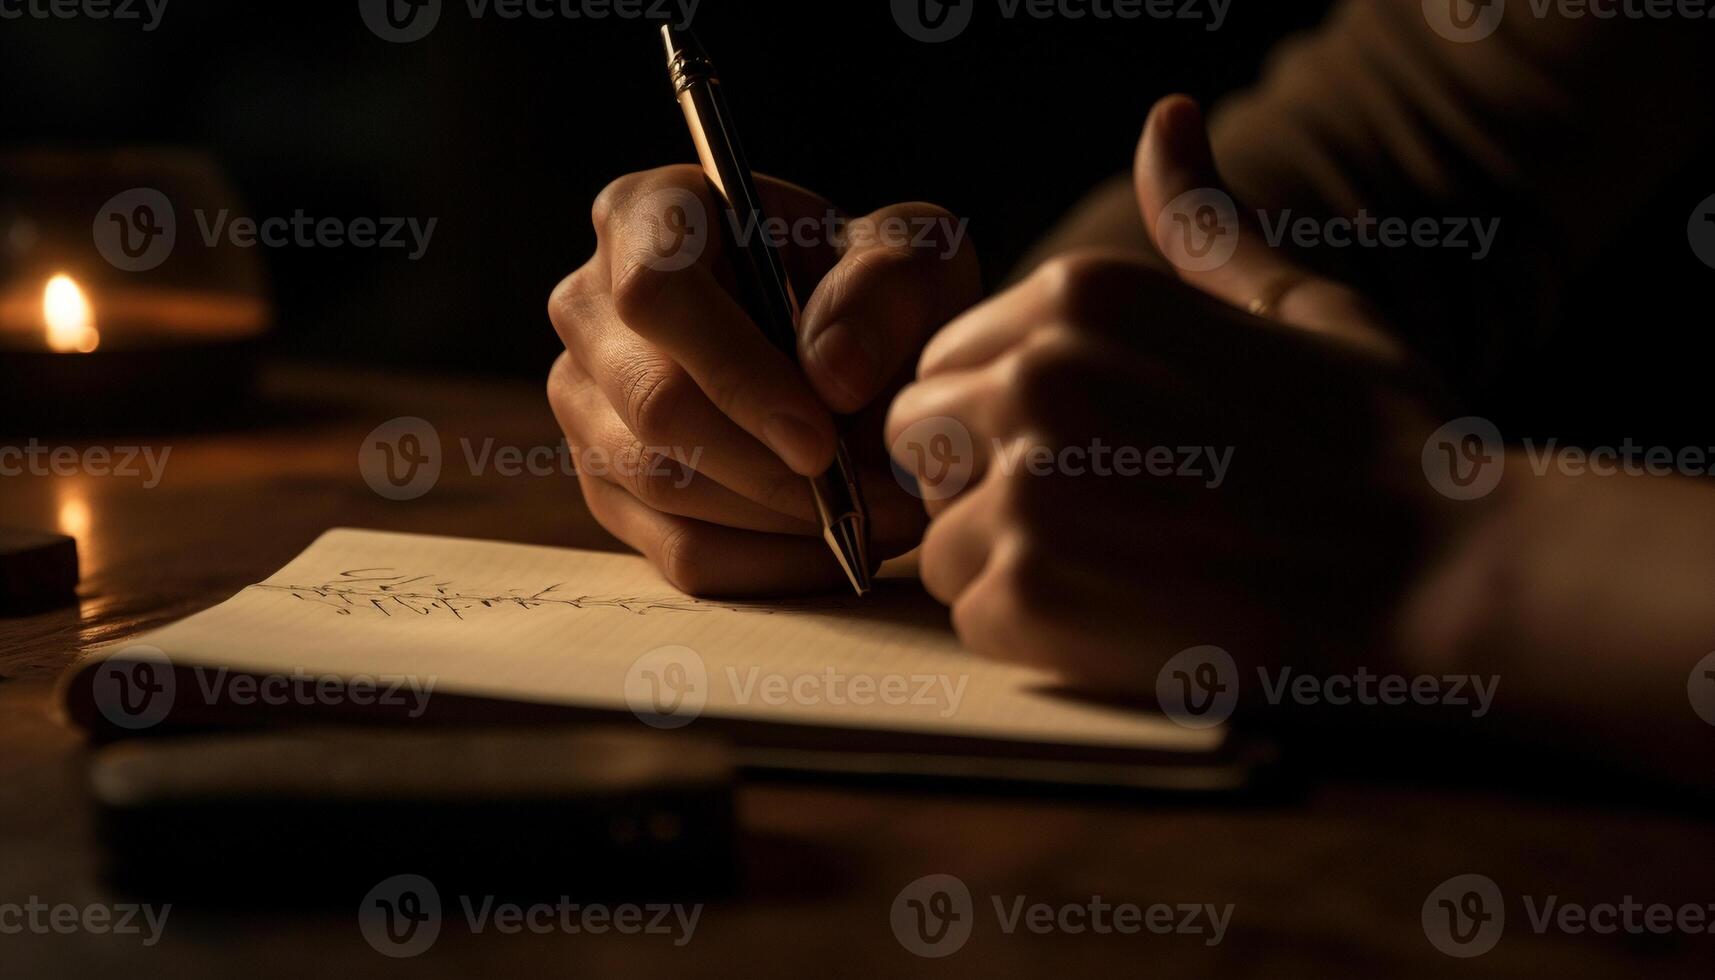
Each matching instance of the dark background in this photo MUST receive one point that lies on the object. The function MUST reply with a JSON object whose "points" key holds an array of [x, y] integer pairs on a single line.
{"points": [[504, 130]]}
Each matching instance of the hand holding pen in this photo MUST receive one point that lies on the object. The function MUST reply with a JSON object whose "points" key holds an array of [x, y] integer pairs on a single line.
{"points": [[708, 434]]}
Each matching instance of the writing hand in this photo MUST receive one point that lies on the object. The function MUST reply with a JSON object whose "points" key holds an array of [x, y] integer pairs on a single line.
{"points": [[693, 434]]}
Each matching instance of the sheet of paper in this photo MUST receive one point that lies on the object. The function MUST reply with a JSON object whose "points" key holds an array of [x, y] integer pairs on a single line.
{"points": [[598, 630]]}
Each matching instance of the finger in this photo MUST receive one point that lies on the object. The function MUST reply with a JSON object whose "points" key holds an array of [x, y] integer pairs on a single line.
{"points": [[987, 330], [671, 211], [708, 560], [957, 544], [907, 270], [660, 239], [691, 318], [1029, 610], [660, 477], [942, 431], [663, 407], [1214, 244]]}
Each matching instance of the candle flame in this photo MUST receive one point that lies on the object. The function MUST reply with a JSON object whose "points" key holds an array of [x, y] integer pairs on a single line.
{"points": [[69, 317]]}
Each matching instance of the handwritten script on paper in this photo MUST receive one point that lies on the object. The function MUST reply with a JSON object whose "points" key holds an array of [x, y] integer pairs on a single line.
{"points": [[523, 623], [389, 592]]}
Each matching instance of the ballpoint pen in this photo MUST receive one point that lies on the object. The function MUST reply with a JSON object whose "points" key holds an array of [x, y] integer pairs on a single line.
{"points": [[765, 289]]}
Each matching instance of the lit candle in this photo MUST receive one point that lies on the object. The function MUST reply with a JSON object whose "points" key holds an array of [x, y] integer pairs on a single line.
{"points": [[68, 317]]}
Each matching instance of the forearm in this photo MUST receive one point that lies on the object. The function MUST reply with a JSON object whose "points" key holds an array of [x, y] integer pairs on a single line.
{"points": [[1589, 598]]}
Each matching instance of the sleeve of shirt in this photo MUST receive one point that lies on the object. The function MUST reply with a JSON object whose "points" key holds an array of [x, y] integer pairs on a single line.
{"points": [[1545, 127]]}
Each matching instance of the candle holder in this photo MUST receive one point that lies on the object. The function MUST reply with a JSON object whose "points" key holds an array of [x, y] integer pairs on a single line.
{"points": [[115, 313]]}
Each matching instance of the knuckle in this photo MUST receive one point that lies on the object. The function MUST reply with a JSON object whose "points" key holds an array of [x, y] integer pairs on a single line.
{"points": [[934, 559], [637, 288], [613, 202], [1046, 369], [651, 474], [611, 197], [1026, 501], [569, 303], [1075, 282], [1026, 591], [565, 390], [682, 559], [653, 396]]}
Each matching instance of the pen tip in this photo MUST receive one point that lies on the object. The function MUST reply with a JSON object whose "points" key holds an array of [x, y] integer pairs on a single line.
{"points": [[846, 538]]}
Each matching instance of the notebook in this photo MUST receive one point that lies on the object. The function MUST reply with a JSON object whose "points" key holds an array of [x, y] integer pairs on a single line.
{"points": [[368, 626]]}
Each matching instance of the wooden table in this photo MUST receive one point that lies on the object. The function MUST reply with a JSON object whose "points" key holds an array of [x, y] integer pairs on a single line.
{"points": [[1332, 883]]}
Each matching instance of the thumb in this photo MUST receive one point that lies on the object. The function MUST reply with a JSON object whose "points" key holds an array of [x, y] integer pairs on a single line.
{"points": [[1216, 246]]}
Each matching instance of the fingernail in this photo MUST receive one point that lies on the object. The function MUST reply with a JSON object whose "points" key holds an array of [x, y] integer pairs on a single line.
{"points": [[848, 357], [796, 442]]}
